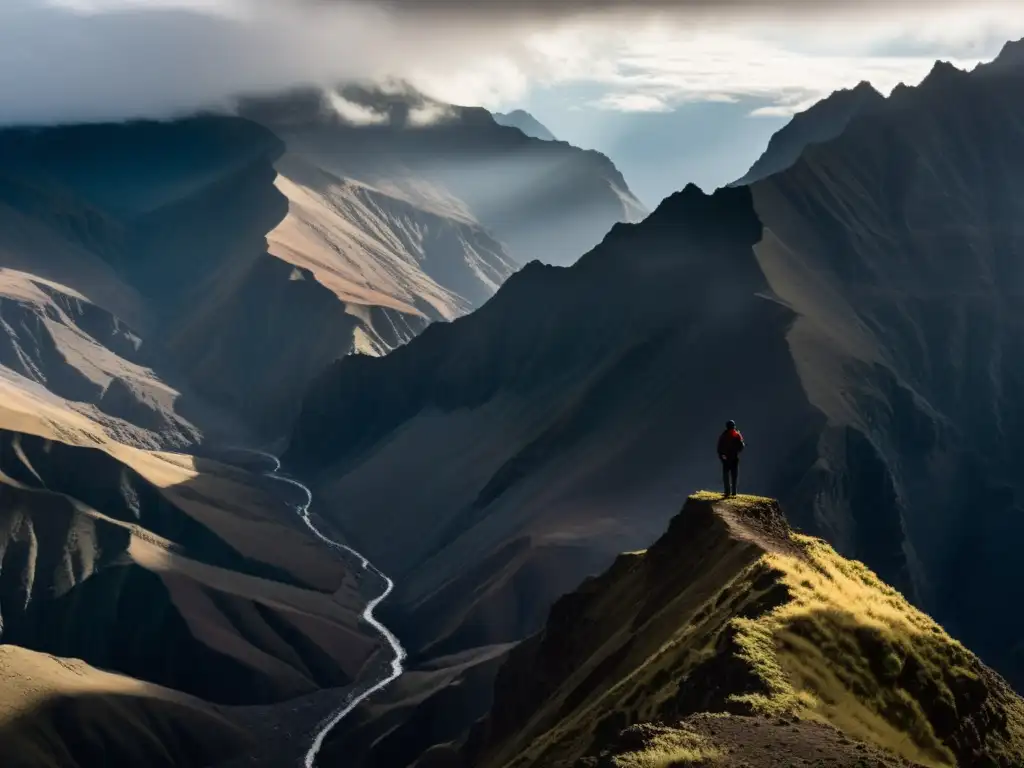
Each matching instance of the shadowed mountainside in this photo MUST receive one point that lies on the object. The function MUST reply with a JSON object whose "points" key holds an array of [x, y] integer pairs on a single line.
{"points": [[857, 313], [730, 614], [824, 121], [163, 226], [191, 573]]}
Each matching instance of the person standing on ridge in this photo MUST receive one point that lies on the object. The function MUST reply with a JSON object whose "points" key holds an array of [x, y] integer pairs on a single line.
{"points": [[730, 445]]}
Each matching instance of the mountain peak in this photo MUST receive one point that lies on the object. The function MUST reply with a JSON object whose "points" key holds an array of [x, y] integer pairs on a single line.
{"points": [[819, 123], [1011, 57], [526, 123], [942, 72]]}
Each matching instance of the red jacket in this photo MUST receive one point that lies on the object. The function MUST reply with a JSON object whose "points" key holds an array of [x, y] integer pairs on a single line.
{"points": [[731, 444]]}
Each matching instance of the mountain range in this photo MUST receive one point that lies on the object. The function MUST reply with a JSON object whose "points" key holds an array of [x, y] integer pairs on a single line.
{"points": [[389, 292], [854, 311]]}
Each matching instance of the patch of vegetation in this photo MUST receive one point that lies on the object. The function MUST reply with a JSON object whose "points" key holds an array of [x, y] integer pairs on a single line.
{"points": [[849, 649], [740, 500], [667, 748]]}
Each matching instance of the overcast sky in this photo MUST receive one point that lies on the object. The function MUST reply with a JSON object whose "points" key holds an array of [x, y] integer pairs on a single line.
{"points": [[69, 60]]}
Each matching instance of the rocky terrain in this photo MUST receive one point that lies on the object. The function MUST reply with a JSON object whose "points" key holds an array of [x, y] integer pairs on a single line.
{"points": [[160, 228], [189, 581]]}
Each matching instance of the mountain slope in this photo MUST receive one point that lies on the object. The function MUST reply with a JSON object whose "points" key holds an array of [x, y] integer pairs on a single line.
{"points": [[395, 266], [823, 121], [163, 226], [731, 613], [526, 123], [61, 713], [180, 571], [56, 338], [856, 313]]}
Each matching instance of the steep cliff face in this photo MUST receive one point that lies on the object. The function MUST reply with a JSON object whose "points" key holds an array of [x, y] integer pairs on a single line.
{"points": [[731, 614], [856, 313]]}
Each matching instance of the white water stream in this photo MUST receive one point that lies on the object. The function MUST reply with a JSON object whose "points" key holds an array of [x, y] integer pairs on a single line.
{"points": [[355, 700]]}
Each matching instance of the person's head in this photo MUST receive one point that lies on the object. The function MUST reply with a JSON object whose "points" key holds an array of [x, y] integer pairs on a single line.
{"points": [[730, 424]]}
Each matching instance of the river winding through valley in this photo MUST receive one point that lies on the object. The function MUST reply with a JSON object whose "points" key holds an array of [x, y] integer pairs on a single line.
{"points": [[355, 699]]}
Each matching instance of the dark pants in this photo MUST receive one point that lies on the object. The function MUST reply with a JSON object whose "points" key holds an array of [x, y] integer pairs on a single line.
{"points": [[730, 474]]}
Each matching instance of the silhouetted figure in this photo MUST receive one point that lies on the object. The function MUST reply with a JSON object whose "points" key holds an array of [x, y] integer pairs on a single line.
{"points": [[730, 446]]}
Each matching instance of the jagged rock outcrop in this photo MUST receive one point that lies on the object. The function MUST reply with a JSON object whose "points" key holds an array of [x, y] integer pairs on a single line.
{"points": [[855, 312], [731, 614]]}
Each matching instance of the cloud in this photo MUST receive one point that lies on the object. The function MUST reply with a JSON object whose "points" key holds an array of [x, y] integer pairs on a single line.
{"points": [[355, 114], [78, 60], [632, 102], [424, 115], [690, 8], [775, 110], [74, 60]]}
